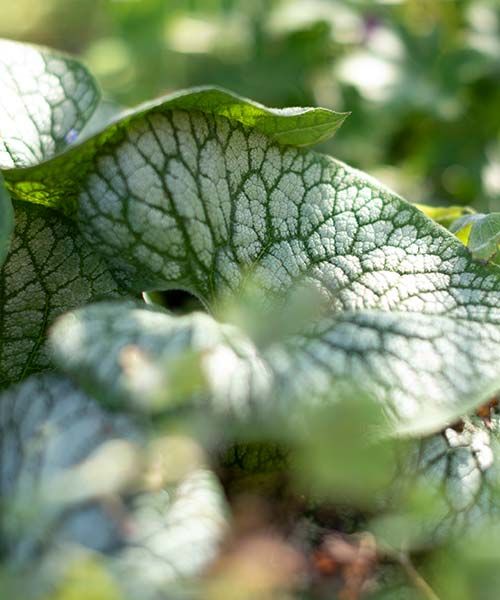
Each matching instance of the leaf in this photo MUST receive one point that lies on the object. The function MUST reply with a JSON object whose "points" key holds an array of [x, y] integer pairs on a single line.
{"points": [[422, 369], [6, 221], [53, 183], [459, 471], [445, 215], [73, 474], [45, 100], [297, 126], [177, 534], [481, 233], [48, 426], [56, 182], [140, 352], [49, 269], [193, 200], [426, 370]]}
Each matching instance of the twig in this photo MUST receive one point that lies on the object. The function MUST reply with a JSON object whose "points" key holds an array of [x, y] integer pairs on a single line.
{"points": [[415, 577]]}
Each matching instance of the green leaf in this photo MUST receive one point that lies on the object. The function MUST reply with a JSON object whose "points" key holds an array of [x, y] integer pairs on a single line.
{"points": [[297, 126], [185, 200], [46, 98], [49, 269], [481, 233], [6, 221], [73, 474], [56, 183], [444, 215], [195, 193]]}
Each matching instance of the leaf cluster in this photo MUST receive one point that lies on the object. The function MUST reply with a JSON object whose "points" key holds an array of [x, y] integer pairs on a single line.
{"points": [[346, 341]]}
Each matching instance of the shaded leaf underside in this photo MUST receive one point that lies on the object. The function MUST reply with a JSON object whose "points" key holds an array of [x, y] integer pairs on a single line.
{"points": [[294, 125]]}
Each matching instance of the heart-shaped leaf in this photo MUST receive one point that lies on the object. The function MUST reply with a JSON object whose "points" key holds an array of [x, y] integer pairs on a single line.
{"points": [[49, 269], [188, 193], [73, 474], [191, 201]]}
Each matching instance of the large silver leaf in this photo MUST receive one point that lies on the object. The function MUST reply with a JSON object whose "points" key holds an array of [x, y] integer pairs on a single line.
{"points": [[195, 202], [196, 192], [423, 369]]}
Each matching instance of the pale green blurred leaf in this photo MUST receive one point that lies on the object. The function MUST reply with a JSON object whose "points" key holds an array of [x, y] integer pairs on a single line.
{"points": [[444, 215], [481, 233]]}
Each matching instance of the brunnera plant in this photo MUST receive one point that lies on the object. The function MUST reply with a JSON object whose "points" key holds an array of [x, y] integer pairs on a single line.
{"points": [[204, 191]]}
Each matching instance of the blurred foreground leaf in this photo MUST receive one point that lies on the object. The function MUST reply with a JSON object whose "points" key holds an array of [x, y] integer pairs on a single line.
{"points": [[74, 478]]}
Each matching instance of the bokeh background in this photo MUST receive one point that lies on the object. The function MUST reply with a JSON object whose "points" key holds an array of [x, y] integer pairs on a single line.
{"points": [[421, 77]]}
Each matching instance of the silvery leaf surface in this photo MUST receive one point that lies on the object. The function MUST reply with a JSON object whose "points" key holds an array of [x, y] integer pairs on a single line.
{"points": [[191, 201], [456, 475], [201, 190]]}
